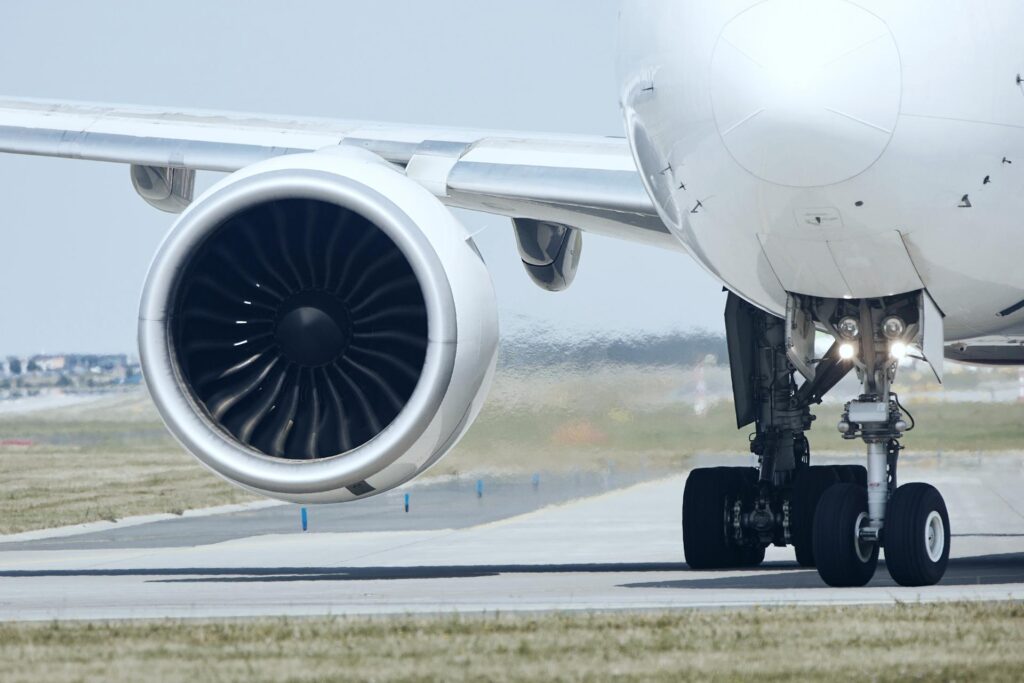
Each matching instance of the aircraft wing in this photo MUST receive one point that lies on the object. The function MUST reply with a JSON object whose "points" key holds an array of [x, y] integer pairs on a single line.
{"points": [[587, 182]]}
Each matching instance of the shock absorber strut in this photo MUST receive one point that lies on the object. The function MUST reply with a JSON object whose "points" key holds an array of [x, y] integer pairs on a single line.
{"points": [[876, 416], [769, 398]]}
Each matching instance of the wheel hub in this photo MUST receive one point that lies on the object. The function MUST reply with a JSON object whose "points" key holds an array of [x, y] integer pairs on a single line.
{"points": [[863, 546], [934, 536]]}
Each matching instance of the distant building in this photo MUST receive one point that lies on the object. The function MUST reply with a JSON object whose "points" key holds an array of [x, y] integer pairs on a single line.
{"points": [[68, 371], [48, 363], [133, 374]]}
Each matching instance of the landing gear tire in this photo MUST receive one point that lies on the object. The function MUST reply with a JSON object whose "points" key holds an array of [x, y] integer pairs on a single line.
{"points": [[706, 541], [751, 557], [810, 485], [704, 514], [853, 474], [843, 560], [917, 536]]}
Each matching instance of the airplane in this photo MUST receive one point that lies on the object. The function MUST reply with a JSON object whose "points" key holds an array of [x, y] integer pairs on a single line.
{"points": [[318, 327]]}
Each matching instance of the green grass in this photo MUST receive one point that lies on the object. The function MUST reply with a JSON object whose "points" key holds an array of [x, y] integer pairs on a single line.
{"points": [[664, 438], [113, 458], [99, 461], [940, 642]]}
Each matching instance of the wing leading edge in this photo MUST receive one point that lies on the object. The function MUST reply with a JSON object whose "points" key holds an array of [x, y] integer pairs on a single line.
{"points": [[590, 183]]}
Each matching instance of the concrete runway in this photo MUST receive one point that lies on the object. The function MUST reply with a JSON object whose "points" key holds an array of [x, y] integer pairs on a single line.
{"points": [[564, 543]]}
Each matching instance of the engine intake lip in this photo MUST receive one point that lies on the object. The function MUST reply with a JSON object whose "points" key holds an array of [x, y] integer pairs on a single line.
{"points": [[189, 420]]}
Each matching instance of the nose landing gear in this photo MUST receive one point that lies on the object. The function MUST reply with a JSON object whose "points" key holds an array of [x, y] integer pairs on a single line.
{"points": [[910, 523]]}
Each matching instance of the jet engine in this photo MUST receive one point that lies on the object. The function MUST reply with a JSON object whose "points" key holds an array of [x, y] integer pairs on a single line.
{"points": [[318, 328]]}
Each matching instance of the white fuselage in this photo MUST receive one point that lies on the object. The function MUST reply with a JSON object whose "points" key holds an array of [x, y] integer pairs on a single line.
{"points": [[837, 149]]}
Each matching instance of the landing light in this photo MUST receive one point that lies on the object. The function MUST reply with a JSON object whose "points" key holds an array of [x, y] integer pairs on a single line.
{"points": [[898, 350], [847, 351], [849, 328], [893, 328]]}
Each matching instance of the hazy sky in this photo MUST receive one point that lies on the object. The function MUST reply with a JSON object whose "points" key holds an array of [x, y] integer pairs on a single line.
{"points": [[77, 241]]}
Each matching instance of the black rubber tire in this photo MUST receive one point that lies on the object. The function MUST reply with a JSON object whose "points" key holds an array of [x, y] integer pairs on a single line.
{"points": [[749, 558], [805, 555], [810, 484], [853, 474], [835, 537], [906, 522], [705, 543]]}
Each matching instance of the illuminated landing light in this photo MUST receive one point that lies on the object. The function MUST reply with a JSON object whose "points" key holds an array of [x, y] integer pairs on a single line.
{"points": [[898, 350], [847, 351]]}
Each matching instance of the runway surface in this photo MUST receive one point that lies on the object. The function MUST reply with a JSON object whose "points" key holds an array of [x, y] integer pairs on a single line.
{"points": [[574, 542]]}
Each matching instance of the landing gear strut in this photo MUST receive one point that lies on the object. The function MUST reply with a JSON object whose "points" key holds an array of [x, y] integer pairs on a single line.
{"points": [[837, 518], [774, 503]]}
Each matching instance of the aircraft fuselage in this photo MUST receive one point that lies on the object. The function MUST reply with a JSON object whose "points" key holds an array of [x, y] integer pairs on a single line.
{"points": [[837, 149]]}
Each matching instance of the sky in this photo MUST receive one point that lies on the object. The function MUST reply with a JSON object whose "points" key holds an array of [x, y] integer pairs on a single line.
{"points": [[77, 242]]}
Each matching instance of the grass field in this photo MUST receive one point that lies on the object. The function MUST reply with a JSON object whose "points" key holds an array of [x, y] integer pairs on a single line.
{"points": [[113, 458], [941, 642]]}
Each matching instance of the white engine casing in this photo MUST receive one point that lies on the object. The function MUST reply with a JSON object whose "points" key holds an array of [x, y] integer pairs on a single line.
{"points": [[461, 322]]}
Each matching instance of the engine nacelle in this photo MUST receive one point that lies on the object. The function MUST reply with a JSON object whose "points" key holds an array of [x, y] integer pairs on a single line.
{"points": [[318, 328]]}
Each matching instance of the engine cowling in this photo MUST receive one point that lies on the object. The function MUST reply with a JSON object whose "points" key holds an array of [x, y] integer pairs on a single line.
{"points": [[318, 328]]}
